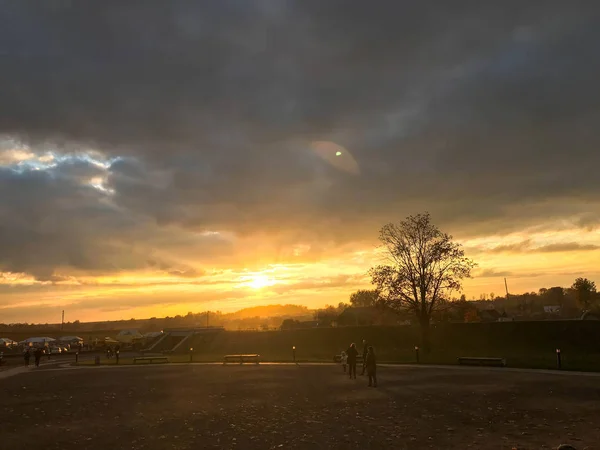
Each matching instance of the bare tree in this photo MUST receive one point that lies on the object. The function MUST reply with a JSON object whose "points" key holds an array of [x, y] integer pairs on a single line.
{"points": [[424, 267]]}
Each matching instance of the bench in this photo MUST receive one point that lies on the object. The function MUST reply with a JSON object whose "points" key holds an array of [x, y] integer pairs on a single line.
{"points": [[241, 358], [476, 361], [151, 359]]}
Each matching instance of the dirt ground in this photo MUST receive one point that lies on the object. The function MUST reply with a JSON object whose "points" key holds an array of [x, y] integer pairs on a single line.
{"points": [[285, 406]]}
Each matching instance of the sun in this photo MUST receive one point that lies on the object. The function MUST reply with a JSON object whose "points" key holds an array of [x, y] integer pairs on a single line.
{"points": [[259, 281]]}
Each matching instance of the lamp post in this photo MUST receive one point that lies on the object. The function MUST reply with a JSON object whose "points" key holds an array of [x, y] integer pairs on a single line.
{"points": [[294, 353], [191, 354], [417, 353], [117, 356]]}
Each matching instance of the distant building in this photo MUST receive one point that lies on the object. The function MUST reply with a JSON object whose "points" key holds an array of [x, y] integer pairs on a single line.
{"points": [[552, 309], [489, 315], [367, 315]]}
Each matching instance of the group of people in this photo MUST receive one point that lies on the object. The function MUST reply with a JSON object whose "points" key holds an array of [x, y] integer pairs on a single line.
{"points": [[37, 354], [350, 356]]}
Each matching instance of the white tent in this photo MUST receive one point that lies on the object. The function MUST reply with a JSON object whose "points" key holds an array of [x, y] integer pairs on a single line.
{"points": [[128, 336], [153, 334], [37, 340], [71, 339], [6, 342]]}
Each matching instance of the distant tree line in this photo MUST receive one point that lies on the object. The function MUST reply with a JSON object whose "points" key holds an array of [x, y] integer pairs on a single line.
{"points": [[568, 303], [255, 318]]}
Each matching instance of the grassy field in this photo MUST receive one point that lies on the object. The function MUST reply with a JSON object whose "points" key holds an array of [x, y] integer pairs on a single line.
{"points": [[523, 344]]}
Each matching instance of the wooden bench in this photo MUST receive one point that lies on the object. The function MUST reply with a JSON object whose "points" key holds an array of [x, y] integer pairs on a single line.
{"points": [[477, 361], [241, 358], [151, 359]]}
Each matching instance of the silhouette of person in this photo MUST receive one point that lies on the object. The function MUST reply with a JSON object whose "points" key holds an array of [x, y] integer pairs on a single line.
{"points": [[364, 355], [371, 364], [27, 356], [352, 354], [38, 355]]}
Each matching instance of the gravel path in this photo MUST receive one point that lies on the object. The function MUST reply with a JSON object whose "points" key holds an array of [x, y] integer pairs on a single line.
{"points": [[249, 407]]}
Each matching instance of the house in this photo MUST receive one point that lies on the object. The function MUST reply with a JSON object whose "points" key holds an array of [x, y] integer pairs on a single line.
{"points": [[489, 315], [552, 309]]}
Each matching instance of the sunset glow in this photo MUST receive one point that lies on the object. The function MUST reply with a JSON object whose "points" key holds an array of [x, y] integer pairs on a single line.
{"points": [[260, 281], [243, 173]]}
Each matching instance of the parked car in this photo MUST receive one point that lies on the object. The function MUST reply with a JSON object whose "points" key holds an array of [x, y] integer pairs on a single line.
{"points": [[57, 349]]}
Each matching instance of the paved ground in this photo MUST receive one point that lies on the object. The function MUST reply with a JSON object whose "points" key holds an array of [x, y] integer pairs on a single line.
{"points": [[211, 406]]}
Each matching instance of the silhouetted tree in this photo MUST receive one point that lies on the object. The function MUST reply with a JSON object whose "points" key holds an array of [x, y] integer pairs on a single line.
{"points": [[342, 306], [424, 266], [326, 316], [585, 292], [364, 297], [289, 324]]}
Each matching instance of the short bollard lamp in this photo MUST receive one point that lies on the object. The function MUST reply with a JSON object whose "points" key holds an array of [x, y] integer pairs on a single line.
{"points": [[294, 352], [191, 354], [417, 353]]}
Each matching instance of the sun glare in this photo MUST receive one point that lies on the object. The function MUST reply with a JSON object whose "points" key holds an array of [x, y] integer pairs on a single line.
{"points": [[259, 281]]}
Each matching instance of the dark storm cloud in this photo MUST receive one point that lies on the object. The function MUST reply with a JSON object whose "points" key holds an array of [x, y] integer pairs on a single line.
{"points": [[54, 219], [461, 108]]}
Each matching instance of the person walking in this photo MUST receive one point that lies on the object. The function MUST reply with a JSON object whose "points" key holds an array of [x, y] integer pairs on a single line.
{"points": [[27, 356], [364, 355], [352, 354], [38, 355], [344, 360], [371, 364]]}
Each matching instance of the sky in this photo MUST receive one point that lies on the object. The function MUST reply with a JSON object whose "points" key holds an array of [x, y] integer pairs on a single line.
{"points": [[164, 157]]}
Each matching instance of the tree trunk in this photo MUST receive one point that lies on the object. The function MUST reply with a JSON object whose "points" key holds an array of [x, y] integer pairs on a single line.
{"points": [[425, 337]]}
